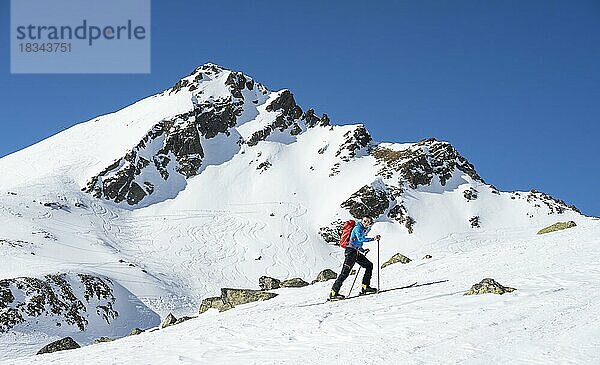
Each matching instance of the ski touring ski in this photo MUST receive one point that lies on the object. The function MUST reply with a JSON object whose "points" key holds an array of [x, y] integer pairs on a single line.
{"points": [[359, 295]]}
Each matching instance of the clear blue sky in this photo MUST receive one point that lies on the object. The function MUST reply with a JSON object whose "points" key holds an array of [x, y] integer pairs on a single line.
{"points": [[514, 85]]}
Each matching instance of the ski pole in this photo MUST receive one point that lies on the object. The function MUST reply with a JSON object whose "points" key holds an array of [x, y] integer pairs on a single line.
{"points": [[378, 268], [357, 272]]}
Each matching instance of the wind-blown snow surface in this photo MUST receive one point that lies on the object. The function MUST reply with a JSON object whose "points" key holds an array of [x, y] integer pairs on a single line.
{"points": [[267, 183]]}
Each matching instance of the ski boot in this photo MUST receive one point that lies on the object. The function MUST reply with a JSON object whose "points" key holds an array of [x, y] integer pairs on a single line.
{"points": [[366, 290], [333, 296]]}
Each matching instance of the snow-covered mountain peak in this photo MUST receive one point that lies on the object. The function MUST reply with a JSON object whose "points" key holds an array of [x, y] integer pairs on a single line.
{"points": [[213, 82], [229, 109]]}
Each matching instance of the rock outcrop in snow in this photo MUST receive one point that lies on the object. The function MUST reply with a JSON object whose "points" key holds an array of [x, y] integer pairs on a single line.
{"points": [[231, 297], [66, 343], [69, 299], [293, 283], [268, 283], [69, 304], [559, 226], [418, 164], [174, 149], [325, 275], [397, 258], [489, 286]]}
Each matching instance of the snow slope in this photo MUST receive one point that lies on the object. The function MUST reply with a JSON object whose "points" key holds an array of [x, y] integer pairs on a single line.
{"points": [[547, 320], [218, 181]]}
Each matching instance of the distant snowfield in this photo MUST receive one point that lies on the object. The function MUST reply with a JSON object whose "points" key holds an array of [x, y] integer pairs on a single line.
{"points": [[549, 319], [257, 209]]}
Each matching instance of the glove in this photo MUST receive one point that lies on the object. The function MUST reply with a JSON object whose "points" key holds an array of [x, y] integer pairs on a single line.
{"points": [[377, 238]]}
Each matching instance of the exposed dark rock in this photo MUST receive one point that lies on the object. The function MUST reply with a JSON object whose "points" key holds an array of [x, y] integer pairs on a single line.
{"points": [[355, 140], [66, 343], [554, 205], [268, 283], [325, 275], [557, 227], [136, 331], [293, 283], [53, 295], [289, 113], [494, 190], [335, 169], [400, 215], [470, 194], [179, 85], [296, 130], [286, 103], [180, 136], [57, 206], [99, 289], [237, 82], [312, 120], [103, 339], [422, 161], [332, 232], [183, 319], [367, 201], [44, 233], [474, 222], [488, 286], [395, 259], [14, 243], [427, 257], [169, 320], [263, 166]]}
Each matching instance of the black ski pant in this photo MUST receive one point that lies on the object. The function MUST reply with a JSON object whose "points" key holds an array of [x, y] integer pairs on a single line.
{"points": [[352, 257]]}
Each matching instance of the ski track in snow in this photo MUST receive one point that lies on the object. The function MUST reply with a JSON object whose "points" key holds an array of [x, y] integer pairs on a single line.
{"points": [[207, 249]]}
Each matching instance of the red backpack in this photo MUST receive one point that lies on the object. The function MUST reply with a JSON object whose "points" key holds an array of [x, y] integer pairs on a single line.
{"points": [[346, 231]]}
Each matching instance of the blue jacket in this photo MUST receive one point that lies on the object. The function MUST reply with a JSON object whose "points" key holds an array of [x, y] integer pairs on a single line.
{"points": [[357, 237]]}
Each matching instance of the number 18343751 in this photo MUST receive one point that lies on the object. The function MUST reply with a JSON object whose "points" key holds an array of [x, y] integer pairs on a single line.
{"points": [[49, 47]]}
